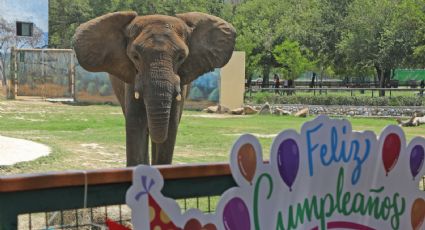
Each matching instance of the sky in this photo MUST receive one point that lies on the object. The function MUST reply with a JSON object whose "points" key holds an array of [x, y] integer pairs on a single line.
{"points": [[35, 11]]}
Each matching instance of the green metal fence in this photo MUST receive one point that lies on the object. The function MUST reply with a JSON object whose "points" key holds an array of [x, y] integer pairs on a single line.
{"points": [[80, 200]]}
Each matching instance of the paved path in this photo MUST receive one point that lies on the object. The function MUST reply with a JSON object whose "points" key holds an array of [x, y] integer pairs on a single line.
{"points": [[13, 150]]}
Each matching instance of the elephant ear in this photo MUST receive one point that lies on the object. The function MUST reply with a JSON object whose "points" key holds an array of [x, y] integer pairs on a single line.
{"points": [[100, 45], [211, 44]]}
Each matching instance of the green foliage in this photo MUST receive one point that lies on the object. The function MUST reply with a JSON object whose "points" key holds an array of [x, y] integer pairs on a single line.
{"points": [[350, 38], [380, 34], [261, 98], [65, 16], [289, 54]]}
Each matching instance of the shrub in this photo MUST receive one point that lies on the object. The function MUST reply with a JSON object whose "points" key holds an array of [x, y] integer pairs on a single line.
{"points": [[263, 97]]}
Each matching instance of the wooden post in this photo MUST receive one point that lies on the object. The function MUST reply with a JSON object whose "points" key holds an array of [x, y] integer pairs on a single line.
{"points": [[72, 76], [10, 84]]}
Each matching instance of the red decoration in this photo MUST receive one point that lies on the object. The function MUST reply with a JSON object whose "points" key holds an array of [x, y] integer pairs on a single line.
{"points": [[115, 226], [391, 151], [194, 224], [158, 218]]}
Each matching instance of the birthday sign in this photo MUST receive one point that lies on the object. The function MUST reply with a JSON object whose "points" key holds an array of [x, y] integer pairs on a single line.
{"points": [[325, 177]]}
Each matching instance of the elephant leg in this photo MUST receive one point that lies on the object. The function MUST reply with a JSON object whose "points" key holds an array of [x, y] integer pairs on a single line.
{"points": [[162, 153], [119, 89], [136, 127]]}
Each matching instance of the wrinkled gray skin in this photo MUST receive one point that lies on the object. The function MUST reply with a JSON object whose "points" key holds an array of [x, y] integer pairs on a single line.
{"points": [[150, 60]]}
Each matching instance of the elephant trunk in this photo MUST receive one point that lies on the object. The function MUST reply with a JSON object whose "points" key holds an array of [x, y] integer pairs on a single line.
{"points": [[158, 93], [158, 112]]}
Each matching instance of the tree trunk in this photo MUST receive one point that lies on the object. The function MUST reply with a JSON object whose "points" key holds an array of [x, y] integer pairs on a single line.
{"points": [[387, 78], [381, 79], [265, 83]]}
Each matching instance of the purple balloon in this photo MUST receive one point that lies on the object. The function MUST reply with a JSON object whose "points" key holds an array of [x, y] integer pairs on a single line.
{"points": [[236, 215], [416, 160], [288, 161]]}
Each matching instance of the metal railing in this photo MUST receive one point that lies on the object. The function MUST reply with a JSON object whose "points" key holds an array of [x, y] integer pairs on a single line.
{"points": [[60, 200]]}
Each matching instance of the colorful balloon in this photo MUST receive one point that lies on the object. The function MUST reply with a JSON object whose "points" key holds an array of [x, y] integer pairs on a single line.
{"points": [[288, 161], [192, 224], [236, 215], [418, 214], [416, 160], [209, 227], [391, 151], [247, 162]]}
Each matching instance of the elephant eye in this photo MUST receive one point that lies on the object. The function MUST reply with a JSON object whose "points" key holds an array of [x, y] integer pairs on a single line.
{"points": [[135, 56]]}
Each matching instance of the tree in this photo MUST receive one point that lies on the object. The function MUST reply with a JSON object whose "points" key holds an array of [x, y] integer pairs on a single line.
{"points": [[7, 36], [290, 55], [64, 17], [379, 34], [256, 24]]}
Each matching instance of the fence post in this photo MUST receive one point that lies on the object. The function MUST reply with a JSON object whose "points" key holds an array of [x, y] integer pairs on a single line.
{"points": [[72, 76], [10, 84]]}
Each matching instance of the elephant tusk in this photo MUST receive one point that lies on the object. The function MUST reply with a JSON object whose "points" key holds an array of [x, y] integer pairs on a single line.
{"points": [[136, 95], [179, 97]]}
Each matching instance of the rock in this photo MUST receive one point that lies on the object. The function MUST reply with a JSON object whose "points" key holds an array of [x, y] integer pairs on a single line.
{"points": [[302, 113], [212, 109], [265, 109], [248, 110], [238, 111], [281, 112]]}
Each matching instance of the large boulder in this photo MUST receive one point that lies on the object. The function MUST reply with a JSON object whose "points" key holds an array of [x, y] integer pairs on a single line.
{"points": [[212, 109], [302, 113], [266, 109], [238, 111], [281, 112], [248, 110]]}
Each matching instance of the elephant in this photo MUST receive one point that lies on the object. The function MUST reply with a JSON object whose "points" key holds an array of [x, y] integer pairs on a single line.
{"points": [[150, 60]]}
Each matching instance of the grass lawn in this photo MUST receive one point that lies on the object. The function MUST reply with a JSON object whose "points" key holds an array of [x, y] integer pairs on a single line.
{"points": [[90, 137]]}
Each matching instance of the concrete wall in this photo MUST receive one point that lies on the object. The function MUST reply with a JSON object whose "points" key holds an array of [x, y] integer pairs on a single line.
{"points": [[232, 85]]}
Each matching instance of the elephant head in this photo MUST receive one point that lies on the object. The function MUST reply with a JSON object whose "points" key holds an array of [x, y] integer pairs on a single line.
{"points": [[157, 54]]}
